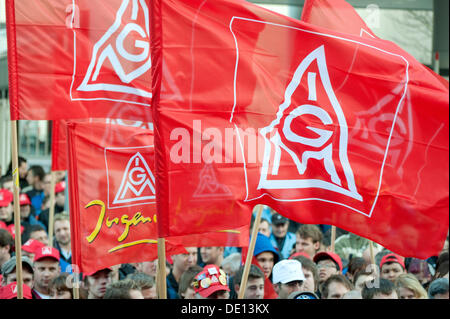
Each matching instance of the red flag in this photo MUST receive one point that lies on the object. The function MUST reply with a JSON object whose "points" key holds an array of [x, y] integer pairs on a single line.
{"points": [[323, 134], [80, 59], [59, 145], [112, 197]]}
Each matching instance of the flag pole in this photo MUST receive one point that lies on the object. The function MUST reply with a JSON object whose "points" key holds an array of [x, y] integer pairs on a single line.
{"points": [[52, 208], [161, 270], [17, 237], [372, 256], [333, 237], [251, 248]]}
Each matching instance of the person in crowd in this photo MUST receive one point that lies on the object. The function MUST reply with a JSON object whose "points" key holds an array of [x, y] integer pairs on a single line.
{"points": [[181, 262], [185, 286], [255, 282], [231, 264], [392, 266], [59, 204], [212, 255], [355, 265], [265, 254], [39, 233], [442, 266], [6, 182], [147, 267], [62, 240], [6, 207], [27, 217], [6, 243], [211, 283], [46, 267], [265, 227], [146, 284], [409, 287], [123, 289], [9, 271], [35, 189], [328, 264], [420, 269], [308, 239], [30, 247], [58, 287], [384, 290], [309, 268], [23, 170], [281, 238], [438, 289], [96, 283], [335, 287], [288, 277]]}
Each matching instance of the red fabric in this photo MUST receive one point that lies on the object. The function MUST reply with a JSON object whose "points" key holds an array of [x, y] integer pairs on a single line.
{"points": [[87, 60], [343, 126], [59, 145]]}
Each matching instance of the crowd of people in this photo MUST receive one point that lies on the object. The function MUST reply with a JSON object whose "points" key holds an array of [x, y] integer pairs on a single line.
{"points": [[291, 260]]}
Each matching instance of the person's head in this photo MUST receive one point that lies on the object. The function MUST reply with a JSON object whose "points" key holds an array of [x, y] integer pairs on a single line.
{"points": [[335, 287], [6, 242], [211, 283], [10, 291], [23, 167], [58, 287], [438, 289], [420, 269], [6, 182], [60, 196], [310, 272], [362, 278], [46, 267], [265, 254], [145, 283], [355, 265], [212, 255], [255, 282], [35, 177], [392, 266], [62, 228], [288, 277], [385, 289], [442, 266], [186, 283], [25, 206], [309, 239], [96, 282], [39, 233], [328, 264], [231, 264], [181, 262], [9, 271], [409, 287], [47, 184], [264, 227], [147, 267], [280, 225], [123, 289], [30, 247], [6, 205]]}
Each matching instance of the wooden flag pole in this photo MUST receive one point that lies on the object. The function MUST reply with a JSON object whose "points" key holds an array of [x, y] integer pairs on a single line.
{"points": [[333, 237], [76, 285], [17, 237], [372, 256], [251, 248], [52, 208], [161, 270]]}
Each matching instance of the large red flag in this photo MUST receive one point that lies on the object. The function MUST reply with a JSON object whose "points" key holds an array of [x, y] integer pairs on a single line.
{"points": [[70, 59], [112, 197], [283, 113]]}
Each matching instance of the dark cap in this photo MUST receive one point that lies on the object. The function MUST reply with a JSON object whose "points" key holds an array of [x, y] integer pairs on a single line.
{"points": [[10, 265], [277, 219]]}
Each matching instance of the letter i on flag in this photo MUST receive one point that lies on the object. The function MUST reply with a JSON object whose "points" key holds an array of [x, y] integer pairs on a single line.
{"points": [[342, 124]]}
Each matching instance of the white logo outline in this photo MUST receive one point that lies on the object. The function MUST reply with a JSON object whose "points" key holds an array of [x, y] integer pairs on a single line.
{"points": [[406, 82]]}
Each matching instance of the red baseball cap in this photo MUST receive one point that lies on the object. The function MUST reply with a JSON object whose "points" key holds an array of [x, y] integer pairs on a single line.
{"points": [[60, 187], [3, 225], [46, 252], [210, 280], [300, 253], [12, 230], [10, 291], [328, 255], [392, 258], [24, 199], [32, 245], [6, 197]]}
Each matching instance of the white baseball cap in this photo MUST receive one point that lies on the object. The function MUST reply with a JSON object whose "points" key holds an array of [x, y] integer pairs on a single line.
{"points": [[287, 270]]}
